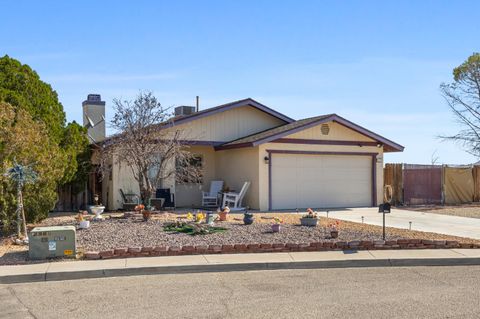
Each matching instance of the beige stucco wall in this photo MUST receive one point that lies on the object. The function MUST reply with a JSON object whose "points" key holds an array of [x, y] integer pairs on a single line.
{"points": [[229, 125], [237, 166], [337, 132], [188, 195]]}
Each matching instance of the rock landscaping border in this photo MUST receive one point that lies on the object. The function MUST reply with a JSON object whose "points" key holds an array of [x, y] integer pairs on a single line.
{"points": [[127, 252]]}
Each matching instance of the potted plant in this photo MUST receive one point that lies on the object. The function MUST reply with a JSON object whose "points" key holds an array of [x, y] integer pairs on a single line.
{"points": [[248, 218], [223, 214], [310, 219], [276, 226], [147, 214], [334, 229]]}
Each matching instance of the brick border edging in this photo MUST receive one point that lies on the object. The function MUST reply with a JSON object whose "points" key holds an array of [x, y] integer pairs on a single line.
{"points": [[124, 252]]}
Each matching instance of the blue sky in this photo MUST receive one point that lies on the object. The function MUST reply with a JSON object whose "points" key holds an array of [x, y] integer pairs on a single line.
{"points": [[377, 63]]}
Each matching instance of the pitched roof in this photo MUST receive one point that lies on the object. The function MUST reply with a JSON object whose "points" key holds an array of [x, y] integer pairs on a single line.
{"points": [[300, 125], [211, 111], [225, 107]]}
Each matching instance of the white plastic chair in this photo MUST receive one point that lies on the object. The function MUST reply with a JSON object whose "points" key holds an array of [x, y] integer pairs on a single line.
{"points": [[211, 198], [234, 200]]}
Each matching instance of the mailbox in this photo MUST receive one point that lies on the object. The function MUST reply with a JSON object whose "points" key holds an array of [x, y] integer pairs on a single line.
{"points": [[50, 242]]}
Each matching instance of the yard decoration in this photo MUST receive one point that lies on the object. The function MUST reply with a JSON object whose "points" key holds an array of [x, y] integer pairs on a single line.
{"points": [[199, 217], [147, 215], [210, 218], [310, 219], [84, 223], [334, 229], [276, 226], [248, 218], [21, 175], [223, 214], [192, 228], [97, 208]]}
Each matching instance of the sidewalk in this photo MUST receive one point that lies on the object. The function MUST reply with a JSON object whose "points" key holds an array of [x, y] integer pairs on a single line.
{"points": [[52, 271]]}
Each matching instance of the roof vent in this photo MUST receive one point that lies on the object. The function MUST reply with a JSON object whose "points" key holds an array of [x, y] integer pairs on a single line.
{"points": [[325, 128], [184, 110]]}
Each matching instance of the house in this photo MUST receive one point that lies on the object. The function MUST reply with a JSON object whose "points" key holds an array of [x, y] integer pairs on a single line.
{"points": [[325, 161]]}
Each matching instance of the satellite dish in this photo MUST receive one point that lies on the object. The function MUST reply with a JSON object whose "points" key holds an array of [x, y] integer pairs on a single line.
{"points": [[90, 122]]}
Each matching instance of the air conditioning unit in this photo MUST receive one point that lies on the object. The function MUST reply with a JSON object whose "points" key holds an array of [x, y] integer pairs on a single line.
{"points": [[51, 242], [184, 110]]}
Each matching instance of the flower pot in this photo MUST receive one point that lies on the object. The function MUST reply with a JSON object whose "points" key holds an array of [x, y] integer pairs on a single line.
{"points": [[334, 233], [310, 222], [97, 210], [84, 224], [223, 216], [276, 228], [248, 218], [146, 215]]}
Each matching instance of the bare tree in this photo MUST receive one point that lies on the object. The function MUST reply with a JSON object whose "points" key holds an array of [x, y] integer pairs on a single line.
{"points": [[149, 144], [463, 98], [434, 158]]}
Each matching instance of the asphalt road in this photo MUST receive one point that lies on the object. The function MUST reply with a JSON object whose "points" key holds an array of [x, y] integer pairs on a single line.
{"points": [[417, 292]]}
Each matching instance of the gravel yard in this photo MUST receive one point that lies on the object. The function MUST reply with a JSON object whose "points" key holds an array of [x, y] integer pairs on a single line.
{"points": [[115, 232], [470, 210]]}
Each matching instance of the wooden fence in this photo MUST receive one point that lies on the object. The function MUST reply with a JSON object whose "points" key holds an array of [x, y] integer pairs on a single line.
{"points": [[432, 184]]}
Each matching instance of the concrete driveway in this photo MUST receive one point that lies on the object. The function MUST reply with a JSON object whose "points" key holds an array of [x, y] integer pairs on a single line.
{"points": [[399, 218]]}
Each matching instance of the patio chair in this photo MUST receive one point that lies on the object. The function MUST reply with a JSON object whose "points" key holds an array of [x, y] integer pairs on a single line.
{"points": [[234, 200], [129, 201], [210, 199], [169, 198]]}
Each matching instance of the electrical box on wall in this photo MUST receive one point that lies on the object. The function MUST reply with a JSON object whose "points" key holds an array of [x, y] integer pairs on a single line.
{"points": [[50, 242]]}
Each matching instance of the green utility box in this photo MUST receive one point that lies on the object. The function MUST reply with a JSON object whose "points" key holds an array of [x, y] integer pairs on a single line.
{"points": [[50, 242]]}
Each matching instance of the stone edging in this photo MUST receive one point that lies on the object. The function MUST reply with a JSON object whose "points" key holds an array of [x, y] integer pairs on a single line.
{"points": [[125, 252]]}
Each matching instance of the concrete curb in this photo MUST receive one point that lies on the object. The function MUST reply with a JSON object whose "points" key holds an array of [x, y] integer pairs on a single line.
{"points": [[254, 266]]}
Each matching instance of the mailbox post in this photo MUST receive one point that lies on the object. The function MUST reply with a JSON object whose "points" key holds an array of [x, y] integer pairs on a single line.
{"points": [[384, 209]]}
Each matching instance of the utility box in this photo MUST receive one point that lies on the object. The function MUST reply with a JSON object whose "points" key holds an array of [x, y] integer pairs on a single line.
{"points": [[50, 242]]}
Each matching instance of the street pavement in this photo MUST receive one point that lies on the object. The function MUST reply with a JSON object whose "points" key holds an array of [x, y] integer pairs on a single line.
{"points": [[392, 292], [400, 218]]}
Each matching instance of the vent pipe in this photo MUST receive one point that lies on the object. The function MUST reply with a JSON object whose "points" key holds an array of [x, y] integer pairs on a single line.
{"points": [[197, 102]]}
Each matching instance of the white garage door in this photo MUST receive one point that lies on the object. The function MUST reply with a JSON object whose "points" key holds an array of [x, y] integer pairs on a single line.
{"points": [[321, 181]]}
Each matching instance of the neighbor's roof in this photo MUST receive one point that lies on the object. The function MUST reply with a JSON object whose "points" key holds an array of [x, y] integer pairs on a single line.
{"points": [[300, 125]]}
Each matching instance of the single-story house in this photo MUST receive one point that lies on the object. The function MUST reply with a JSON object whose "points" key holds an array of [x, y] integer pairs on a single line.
{"points": [[325, 161]]}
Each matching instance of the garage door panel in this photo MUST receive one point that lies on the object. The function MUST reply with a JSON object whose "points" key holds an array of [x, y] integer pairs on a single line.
{"points": [[320, 181]]}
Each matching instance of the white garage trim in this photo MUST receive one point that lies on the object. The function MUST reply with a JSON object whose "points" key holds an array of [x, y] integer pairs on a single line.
{"points": [[373, 174]]}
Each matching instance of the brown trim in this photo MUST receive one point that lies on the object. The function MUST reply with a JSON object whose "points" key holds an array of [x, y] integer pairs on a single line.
{"points": [[389, 146], [374, 169], [322, 142], [228, 147], [201, 143]]}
